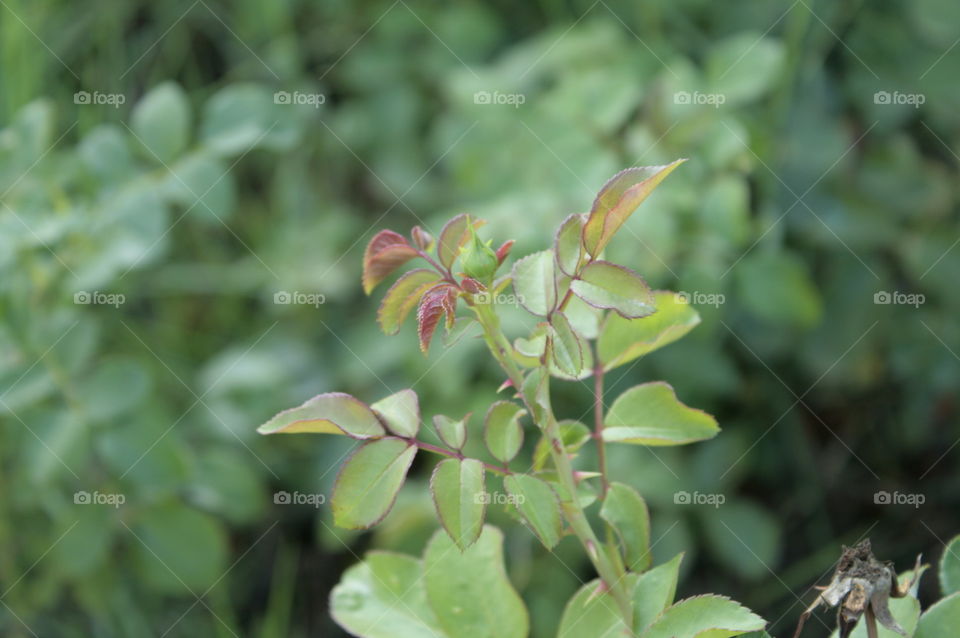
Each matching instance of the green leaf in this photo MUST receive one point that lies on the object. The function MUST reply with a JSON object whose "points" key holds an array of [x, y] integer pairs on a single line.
{"points": [[705, 617], [591, 613], [161, 122], [384, 597], [368, 482], [402, 297], [567, 351], [940, 619], [625, 510], [651, 414], [400, 412], [179, 549], [458, 490], [469, 591], [502, 432], [949, 572], [573, 434], [584, 318], [605, 285], [568, 244], [539, 506], [533, 281], [654, 592], [617, 200], [623, 340], [452, 433], [330, 413]]}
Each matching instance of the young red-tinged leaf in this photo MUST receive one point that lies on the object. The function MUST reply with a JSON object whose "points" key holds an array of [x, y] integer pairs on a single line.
{"points": [[330, 413], [459, 492], [421, 239], [626, 512], [400, 412], [504, 250], [402, 297], [568, 244], [502, 432], [651, 414], [369, 481], [453, 433], [539, 506], [386, 252], [617, 200], [609, 286], [455, 234], [437, 301], [471, 285]]}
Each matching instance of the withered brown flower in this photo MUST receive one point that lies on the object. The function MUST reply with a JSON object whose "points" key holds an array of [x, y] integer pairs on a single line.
{"points": [[861, 586]]}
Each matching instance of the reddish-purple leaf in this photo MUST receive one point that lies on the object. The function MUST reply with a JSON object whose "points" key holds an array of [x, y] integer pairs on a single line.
{"points": [[439, 300], [385, 253], [421, 238], [504, 250], [402, 297]]}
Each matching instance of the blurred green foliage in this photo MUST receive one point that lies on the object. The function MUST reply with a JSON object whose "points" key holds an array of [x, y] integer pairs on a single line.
{"points": [[200, 197]]}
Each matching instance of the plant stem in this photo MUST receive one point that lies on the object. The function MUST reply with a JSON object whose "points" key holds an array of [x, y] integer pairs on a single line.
{"points": [[436, 449], [598, 425], [612, 575]]}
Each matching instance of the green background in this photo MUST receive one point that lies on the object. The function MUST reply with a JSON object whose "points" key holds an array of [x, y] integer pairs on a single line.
{"points": [[199, 198]]}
